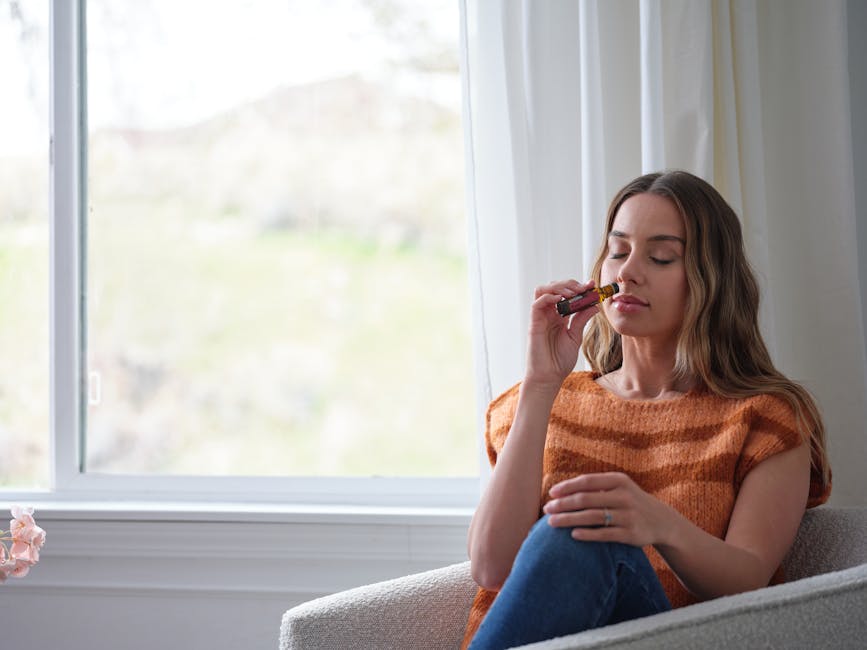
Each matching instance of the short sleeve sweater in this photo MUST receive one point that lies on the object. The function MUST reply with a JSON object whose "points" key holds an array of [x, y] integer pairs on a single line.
{"points": [[691, 452]]}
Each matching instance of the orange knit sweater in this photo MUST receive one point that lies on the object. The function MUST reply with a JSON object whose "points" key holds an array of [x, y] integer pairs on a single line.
{"points": [[691, 452]]}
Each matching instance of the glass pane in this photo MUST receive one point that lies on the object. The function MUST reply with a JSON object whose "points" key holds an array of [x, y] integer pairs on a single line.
{"points": [[276, 240], [24, 380]]}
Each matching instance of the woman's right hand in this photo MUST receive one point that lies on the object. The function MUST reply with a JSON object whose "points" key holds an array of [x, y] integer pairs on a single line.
{"points": [[555, 340], [510, 503]]}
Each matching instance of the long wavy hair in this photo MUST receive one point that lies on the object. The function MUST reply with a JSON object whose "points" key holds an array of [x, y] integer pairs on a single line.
{"points": [[719, 343]]}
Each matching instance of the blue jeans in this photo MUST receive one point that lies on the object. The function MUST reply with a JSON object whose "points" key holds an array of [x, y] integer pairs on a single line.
{"points": [[560, 586]]}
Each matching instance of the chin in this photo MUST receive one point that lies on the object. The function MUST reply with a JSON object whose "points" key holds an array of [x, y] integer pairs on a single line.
{"points": [[632, 331], [627, 325]]}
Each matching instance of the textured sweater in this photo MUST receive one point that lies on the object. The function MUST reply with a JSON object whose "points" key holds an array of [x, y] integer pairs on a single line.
{"points": [[691, 452]]}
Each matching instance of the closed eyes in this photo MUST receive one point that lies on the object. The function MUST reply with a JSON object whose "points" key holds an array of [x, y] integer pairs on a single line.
{"points": [[655, 260]]}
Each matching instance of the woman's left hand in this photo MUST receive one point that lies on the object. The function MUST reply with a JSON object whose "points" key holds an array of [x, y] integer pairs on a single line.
{"points": [[608, 507]]}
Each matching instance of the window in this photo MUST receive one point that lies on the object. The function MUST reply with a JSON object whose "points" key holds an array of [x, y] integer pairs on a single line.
{"points": [[270, 273], [24, 380]]}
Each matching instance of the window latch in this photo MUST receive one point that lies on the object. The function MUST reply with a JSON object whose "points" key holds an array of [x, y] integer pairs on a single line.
{"points": [[94, 388]]}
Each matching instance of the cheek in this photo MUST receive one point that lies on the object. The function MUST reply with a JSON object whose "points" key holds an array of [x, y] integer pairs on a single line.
{"points": [[608, 272], [679, 294]]}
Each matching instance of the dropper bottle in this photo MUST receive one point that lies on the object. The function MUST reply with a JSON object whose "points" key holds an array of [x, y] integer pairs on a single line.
{"points": [[584, 300]]}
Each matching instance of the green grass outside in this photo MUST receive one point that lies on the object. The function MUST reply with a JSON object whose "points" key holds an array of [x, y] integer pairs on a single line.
{"points": [[284, 353], [281, 353]]}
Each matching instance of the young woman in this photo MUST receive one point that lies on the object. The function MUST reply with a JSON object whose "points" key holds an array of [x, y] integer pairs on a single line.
{"points": [[678, 470]]}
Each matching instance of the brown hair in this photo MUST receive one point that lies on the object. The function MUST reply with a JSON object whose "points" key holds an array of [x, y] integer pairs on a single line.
{"points": [[719, 342]]}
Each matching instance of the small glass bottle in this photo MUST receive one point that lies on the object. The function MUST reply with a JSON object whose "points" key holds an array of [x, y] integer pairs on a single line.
{"points": [[583, 300]]}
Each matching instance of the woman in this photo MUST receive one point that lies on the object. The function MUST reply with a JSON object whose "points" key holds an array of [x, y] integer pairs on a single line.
{"points": [[678, 470]]}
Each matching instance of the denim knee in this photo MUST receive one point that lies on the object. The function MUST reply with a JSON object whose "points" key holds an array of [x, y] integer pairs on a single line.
{"points": [[554, 548], [554, 553], [559, 585]]}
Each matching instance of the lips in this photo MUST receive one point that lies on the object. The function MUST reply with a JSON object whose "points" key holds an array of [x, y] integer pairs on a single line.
{"points": [[630, 300], [627, 304]]}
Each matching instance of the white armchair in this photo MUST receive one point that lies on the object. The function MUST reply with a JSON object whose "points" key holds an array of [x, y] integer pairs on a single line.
{"points": [[824, 605]]}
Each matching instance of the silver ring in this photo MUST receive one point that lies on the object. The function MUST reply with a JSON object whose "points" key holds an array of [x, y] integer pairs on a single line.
{"points": [[608, 518]]}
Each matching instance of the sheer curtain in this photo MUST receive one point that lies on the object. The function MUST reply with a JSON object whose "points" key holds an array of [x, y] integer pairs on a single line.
{"points": [[568, 100]]}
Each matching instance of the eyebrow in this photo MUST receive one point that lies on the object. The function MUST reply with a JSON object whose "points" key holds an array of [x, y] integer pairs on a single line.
{"points": [[623, 235]]}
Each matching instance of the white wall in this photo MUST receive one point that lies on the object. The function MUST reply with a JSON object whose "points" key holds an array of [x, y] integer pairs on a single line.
{"points": [[136, 581]]}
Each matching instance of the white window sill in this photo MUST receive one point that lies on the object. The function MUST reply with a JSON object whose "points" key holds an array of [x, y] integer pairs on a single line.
{"points": [[299, 495], [91, 511]]}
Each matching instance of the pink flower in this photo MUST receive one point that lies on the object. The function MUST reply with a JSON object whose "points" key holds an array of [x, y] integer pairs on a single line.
{"points": [[27, 539], [22, 516], [11, 567], [24, 552], [14, 568], [22, 522]]}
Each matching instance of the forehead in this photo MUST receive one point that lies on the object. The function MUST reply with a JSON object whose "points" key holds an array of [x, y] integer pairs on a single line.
{"points": [[646, 216]]}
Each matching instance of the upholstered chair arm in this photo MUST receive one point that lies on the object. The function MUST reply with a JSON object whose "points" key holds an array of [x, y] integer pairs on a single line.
{"points": [[826, 611], [424, 610]]}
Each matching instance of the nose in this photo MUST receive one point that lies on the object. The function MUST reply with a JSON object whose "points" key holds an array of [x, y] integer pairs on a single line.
{"points": [[631, 269]]}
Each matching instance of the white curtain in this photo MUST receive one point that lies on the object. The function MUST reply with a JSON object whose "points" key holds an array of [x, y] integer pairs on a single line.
{"points": [[567, 100]]}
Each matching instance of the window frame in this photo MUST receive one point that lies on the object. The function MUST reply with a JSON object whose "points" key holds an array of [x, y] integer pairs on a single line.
{"points": [[68, 480]]}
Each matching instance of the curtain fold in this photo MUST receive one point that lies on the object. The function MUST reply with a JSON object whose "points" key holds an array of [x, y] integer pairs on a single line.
{"points": [[569, 100]]}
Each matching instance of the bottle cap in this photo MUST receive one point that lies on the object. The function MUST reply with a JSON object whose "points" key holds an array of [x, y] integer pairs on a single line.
{"points": [[563, 307]]}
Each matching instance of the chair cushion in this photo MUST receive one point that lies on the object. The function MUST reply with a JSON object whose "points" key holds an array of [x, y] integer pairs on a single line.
{"points": [[829, 539]]}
